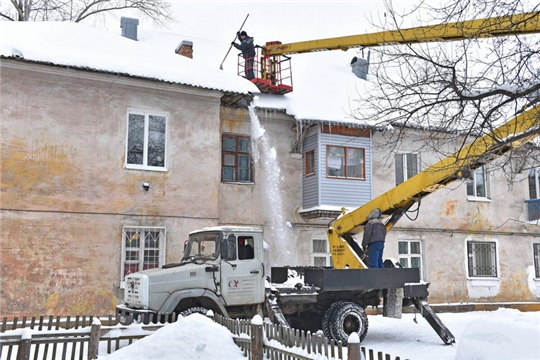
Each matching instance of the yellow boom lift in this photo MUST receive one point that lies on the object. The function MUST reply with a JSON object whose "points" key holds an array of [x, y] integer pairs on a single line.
{"points": [[275, 77], [272, 62]]}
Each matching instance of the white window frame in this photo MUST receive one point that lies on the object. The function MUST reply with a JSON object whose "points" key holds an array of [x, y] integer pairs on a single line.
{"points": [[145, 166], [474, 195], [404, 168], [141, 230], [408, 256], [320, 251], [472, 258]]}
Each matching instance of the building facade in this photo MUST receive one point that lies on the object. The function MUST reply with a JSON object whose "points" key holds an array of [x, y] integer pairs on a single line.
{"points": [[105, 174]]}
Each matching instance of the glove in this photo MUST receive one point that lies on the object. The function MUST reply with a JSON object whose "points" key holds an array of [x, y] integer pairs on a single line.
{"points": [[233, 43], [238, 33]]}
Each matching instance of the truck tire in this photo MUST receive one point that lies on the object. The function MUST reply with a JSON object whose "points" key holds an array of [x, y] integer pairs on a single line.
{"points": [[194, 310], [325, 324], [346, 319]]}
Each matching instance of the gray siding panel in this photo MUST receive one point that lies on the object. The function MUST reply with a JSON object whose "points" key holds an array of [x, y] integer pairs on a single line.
{"points": [[344, 192], [310, 184]]}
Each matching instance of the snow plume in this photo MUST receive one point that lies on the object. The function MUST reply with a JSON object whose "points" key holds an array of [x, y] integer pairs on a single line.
{"points": [[269, 174]]}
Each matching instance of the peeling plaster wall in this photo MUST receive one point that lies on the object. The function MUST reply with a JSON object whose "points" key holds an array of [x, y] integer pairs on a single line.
{"points": [[447, 219], [64, 191], [247, 204]]}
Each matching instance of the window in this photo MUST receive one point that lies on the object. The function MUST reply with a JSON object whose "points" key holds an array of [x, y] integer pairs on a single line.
{"points": [[536, 254], [482, 259], [245, 248], [406, 167], [146, 141], [478, 186], [345, 162], [321, 254], [310, 162], [142, 248], [236, 159], [410, 254], [533, 183]]}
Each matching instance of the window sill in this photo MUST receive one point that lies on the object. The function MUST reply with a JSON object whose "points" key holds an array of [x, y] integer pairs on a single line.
{"points": [[479, 199], [145, 168], [238, 183], [485, 282]]}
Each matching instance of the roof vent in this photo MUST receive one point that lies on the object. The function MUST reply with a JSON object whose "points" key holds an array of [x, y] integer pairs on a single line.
{"points": [[129, 27], [360, 66], [185, 49]]}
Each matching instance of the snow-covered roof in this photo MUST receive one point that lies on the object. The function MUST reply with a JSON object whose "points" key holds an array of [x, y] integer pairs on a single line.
{"points": [[324, 86], [324, 89], [84, 47]]}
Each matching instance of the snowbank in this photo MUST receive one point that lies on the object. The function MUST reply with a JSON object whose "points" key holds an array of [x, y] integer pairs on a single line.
{"points": [[504, 334], [192, 337]]}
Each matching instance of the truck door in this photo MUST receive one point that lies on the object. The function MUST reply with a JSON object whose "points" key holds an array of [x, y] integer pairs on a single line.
{"points": [[242, 274]]}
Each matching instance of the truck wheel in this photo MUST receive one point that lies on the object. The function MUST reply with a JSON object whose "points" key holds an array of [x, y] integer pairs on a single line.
{"points": [[347, 319], [194, 310], [327, 314]]}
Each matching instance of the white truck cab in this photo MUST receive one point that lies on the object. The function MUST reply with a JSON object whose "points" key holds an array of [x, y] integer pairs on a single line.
{"points": [[222, 268]]}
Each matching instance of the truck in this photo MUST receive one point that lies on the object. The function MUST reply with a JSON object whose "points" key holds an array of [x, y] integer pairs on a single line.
{"points": [[223, 269]]}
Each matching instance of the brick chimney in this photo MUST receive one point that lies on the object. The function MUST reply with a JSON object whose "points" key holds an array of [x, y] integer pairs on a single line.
{"points": [[185, 49]]}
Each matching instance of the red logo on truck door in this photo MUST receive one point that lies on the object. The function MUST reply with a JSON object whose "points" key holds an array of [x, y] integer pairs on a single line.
{"points": [[233, 283]]}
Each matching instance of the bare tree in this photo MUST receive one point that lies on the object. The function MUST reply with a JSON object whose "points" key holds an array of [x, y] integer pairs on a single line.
{"points": [[79, 10], [463, 88]]}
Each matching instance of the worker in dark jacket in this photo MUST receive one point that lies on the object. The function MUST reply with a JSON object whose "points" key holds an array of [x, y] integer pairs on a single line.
{"points": [[247, 47], [374, 237]]}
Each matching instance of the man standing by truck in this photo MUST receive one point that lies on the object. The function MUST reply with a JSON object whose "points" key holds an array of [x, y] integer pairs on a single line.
{"points": [[373, 239]]}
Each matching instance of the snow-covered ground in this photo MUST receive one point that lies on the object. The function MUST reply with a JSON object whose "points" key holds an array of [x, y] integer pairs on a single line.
{"points": [[504, 334]]}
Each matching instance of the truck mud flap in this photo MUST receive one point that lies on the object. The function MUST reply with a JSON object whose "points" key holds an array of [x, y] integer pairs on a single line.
{"points": [[436, 323]]}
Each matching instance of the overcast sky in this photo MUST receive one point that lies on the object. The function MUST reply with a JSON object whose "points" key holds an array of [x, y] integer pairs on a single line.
{"points": [[212, 25]]}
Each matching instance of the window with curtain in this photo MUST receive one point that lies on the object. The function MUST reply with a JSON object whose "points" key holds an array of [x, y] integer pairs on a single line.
{"points": [[482, 260], [345, 162]]}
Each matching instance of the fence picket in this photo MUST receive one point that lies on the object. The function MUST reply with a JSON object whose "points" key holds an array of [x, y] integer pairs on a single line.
{"points": [[75, 343]]}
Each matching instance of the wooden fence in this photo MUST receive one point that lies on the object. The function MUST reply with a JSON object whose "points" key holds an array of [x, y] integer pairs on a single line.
{"points": [[50, 338]]}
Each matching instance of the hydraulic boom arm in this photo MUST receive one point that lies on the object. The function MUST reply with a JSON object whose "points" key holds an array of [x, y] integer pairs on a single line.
{"points": [[395, 202], [517, 24]]}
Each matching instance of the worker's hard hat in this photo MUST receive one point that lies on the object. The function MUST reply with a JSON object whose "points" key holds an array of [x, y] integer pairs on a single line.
{"points": [[243, 33]]}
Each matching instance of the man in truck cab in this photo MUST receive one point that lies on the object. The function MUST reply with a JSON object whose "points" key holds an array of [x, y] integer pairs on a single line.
{"points": [[245, 250], [373, 239]]}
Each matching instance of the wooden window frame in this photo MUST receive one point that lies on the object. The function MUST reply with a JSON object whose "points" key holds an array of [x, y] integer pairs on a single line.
{"points": [[236, 153], [307, 164]]}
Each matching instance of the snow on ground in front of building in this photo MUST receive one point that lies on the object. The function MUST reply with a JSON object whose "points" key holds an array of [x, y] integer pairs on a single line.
{"points": [[192, 337], [504, 334]]}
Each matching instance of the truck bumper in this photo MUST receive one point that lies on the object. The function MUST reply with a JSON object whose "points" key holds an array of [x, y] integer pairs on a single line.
{"points": [[126, 315]]}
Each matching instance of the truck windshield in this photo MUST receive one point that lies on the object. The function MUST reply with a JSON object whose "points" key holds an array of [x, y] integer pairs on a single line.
{"points": [[203, 246]]}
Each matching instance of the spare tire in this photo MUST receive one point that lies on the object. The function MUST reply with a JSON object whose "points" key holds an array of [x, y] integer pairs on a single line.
{"points": [[346, 319]]}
